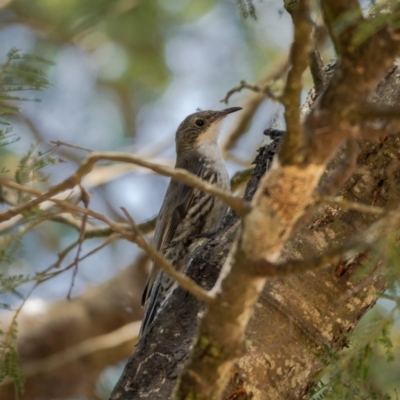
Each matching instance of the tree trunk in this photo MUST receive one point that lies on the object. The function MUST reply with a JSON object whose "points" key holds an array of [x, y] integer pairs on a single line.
{"points": [[299, 319]]}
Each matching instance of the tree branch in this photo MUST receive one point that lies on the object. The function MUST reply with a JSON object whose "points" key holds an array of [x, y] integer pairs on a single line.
{"points": [[299, 58], [40, 197], [87, 165], [137, 238], [45, 275], [368, 112], [94, 231], [317, 70], [265, 89], [364, 241]]}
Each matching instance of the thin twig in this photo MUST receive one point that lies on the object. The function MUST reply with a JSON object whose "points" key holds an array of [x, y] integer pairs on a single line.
{"points": [[63, 254], [235, 203], [369, 112], [364, 241], [85, 201], [73, 208], [348, 205], [265, 89], [369, 131], [185, 282], [94, 231], [265, 268], [250, 106], [45, 275], [9, 222], [59, 143]]}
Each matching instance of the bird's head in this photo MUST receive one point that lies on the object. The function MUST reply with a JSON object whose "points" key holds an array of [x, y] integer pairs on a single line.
{"points": [[200, 127]]}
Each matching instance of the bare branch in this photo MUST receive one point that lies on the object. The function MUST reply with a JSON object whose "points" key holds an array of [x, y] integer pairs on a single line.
{"points": [[300, 49], [317, 70], [265, 89], [67, 206], [364, 241], [99, 176], [236, 203], [85, 199], [93, 231], [379, 132], [59, 143], [370, 112], [45, 275], [349, 205], [251, 105]]}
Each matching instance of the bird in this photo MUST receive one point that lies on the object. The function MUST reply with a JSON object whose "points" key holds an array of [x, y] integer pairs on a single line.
{"points": [[187, 212]]}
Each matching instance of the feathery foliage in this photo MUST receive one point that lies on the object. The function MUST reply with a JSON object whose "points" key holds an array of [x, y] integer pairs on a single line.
{"points": [[19, 73], [31, 165], [349, 374], [9, 360]]}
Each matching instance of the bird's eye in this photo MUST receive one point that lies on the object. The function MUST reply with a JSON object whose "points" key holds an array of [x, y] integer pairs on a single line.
{"points": [[199, 122]]}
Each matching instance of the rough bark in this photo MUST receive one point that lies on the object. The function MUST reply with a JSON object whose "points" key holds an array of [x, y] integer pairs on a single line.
{"points": [[306, 313]]}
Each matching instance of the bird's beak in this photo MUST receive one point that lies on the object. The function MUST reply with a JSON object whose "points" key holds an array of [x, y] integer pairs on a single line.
{"points": [[210, 135], [219, 115], [229, 111]]}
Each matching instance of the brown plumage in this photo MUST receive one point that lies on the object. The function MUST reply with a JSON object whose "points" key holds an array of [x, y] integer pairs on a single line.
{"points": [[186, 211]]}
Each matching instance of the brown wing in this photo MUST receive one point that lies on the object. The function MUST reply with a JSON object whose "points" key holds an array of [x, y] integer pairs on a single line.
{"points": [[178, 199]]}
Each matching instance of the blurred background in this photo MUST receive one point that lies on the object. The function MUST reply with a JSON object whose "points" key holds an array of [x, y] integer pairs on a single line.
{"points": [[125, 73]]}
